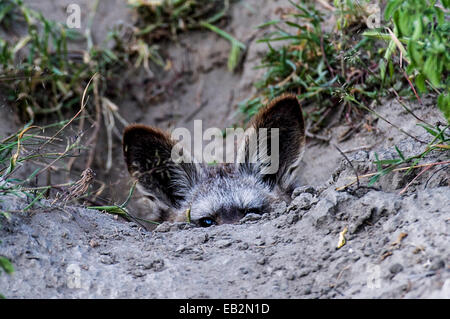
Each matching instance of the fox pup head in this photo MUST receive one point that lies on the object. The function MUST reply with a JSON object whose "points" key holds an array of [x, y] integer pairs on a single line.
{"points": [[222, 193]]}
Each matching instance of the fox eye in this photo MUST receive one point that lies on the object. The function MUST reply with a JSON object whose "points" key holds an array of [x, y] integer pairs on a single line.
{"points": [[253, 211], [206, 222]]}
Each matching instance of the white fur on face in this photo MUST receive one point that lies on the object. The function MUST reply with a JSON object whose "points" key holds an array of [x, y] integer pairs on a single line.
{"points": [[228, 195]]}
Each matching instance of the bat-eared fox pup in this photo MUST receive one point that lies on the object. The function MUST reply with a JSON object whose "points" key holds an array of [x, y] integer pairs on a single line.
{"points": [[216, 194]]}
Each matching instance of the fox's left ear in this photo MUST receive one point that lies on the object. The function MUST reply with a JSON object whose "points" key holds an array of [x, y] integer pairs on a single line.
{"points": [[148, 154], [283, 119]]}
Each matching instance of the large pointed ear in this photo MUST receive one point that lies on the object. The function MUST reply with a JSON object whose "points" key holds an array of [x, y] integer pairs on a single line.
{"points": [[276, 154], [148, 154]]}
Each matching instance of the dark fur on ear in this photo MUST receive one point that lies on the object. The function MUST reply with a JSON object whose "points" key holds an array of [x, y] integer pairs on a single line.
{"points": [[147, 152], [285, 114]]}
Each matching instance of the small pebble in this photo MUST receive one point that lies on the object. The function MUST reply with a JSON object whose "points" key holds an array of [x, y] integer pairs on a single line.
{"points": [[396, 268]]}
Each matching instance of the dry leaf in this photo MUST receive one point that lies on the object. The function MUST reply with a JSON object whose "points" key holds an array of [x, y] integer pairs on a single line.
{"points": [[342, 240]]}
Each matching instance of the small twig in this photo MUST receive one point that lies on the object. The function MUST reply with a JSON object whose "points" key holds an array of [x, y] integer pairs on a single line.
{"points": [[83, 105], [41, 137], [325, 56], [432, 175], [359, 148], [30, 189], [415, 178], [326, 5], [196, 111], [321, 119], [351, 164], [399, 99], [394, 170], [92, 142], [367, 108], [108, 119], [342, 271], [80, 129], [412, 87], [318, 137], [69, 147], [399, 46]]}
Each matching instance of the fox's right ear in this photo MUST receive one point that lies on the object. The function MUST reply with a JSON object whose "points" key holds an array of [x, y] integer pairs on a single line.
{"points": [[283, 119], [148, 152]]}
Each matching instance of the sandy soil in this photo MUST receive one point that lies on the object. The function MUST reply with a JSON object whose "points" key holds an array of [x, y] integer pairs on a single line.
{"points": [[397, 245]]}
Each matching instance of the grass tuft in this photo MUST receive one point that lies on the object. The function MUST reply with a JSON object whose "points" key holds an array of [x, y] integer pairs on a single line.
{"points": [[337, 74]]}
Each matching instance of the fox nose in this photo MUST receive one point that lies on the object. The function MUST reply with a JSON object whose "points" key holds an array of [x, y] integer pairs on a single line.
{"points": [[229, 215]]}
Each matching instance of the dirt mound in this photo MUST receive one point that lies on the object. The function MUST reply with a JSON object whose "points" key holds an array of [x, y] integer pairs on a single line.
{"points": [[396, 246]]}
